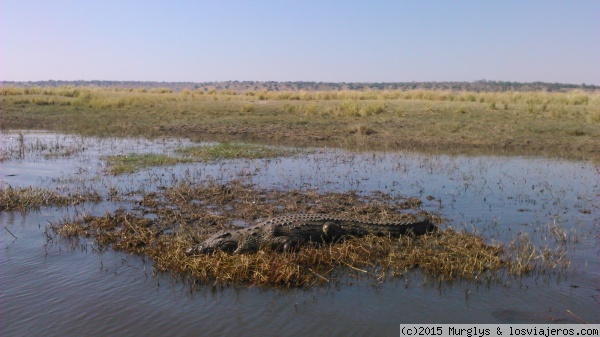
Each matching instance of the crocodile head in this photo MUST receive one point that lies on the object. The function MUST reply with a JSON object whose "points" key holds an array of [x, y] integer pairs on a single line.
{"points": [[224, 241]]}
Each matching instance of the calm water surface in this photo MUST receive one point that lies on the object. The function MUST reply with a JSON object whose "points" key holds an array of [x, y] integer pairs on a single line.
{"points": [[48, 289]]}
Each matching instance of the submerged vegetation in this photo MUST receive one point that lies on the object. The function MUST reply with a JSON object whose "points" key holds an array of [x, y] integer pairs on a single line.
{"points": [[30, 198], [561, 124], [54, 148], [234, 151]]}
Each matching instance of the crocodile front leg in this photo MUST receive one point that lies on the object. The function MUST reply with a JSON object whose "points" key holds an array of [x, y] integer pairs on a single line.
{"points": [[252, 243], [284, 243]]}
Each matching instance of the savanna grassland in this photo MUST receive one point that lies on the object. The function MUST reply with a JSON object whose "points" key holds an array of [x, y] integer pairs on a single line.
{"points": [[552, 124]]}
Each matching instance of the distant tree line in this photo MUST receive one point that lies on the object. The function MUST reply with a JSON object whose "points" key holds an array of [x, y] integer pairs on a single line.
{"points": [[477, 86]]}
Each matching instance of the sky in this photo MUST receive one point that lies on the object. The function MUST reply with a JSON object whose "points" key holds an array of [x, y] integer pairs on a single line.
{"points": [[325, 40]]}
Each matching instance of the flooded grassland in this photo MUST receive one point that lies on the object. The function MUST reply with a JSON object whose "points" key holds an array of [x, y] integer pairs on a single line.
{"points": [[95, 231], [551, 124]]}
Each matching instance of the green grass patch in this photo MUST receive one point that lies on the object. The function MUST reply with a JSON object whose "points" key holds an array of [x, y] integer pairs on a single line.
{"points": [[234, 151], [134, 162]]}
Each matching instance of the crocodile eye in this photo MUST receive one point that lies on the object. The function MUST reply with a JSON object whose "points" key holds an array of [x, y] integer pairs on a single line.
{"points": [[224, 235]]}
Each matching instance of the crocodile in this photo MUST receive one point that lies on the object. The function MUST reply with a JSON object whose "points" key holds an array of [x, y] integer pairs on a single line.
{"points": [[288, 232]]}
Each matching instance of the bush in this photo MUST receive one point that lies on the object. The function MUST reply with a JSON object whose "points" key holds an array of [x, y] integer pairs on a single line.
{"points": [[248, 108]]}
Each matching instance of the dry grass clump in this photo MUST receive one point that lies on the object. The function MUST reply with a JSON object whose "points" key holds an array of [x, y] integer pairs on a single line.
{"points": [[355, 109], [211, 207], [371, 258], [121, 230], [549, 259], [185, 215], [99, 97], [28, 198], [448, 255]]}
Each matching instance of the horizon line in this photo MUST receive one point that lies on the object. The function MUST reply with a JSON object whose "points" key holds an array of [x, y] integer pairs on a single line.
{"points": [[483, 81]]}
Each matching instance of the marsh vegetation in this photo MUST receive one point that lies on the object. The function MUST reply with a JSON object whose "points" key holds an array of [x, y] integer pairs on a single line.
{"points": [[553, 124], [130, 163], [162, 217], [511, 229], [184, 215]]}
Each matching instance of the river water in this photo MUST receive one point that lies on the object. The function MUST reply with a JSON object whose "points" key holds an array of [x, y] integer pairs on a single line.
{"points": [[49, 289]]}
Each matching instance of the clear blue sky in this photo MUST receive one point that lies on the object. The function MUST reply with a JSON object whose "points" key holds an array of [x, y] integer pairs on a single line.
{"points": [[350, 41]]}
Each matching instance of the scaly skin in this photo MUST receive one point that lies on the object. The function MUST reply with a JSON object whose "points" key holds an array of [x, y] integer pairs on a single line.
{"points": [[287, 232]]}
